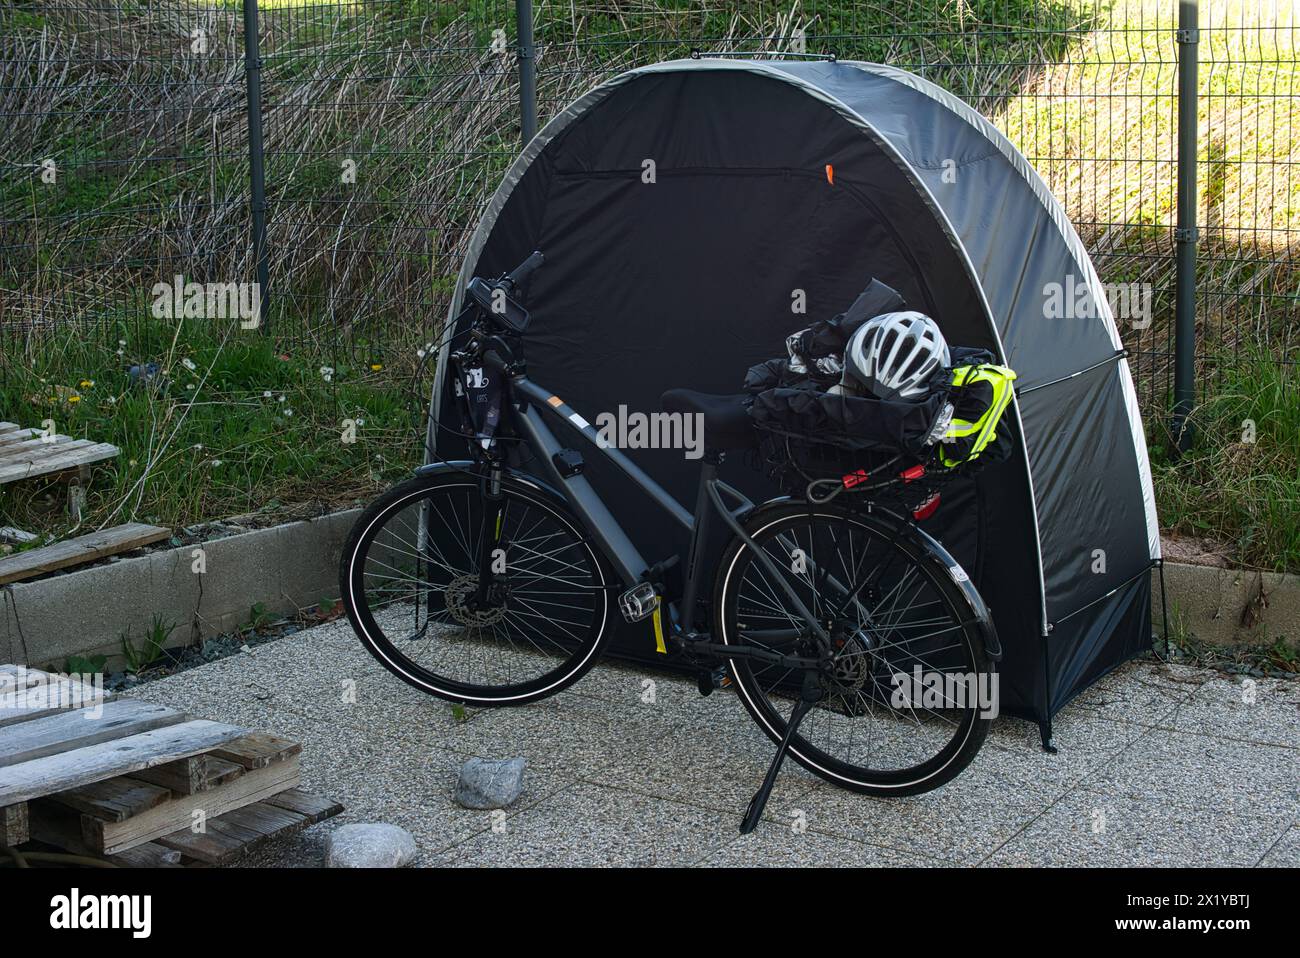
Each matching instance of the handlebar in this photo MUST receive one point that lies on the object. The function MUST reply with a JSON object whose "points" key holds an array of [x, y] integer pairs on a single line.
{"points": [[516, 277]]}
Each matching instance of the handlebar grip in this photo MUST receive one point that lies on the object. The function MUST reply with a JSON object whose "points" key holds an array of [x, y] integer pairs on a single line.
{"points": [[525, 269]]}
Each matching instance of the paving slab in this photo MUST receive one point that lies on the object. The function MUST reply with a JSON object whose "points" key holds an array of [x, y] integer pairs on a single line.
{"points": [[591, 825], [1285, 852], [1242, 708], [778, 846], [1177, 770], [1085, 829], [1139, 693], [1158, 765]]}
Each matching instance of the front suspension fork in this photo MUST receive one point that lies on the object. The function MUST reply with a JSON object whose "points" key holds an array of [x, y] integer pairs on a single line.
{"points": [[489, 532]]}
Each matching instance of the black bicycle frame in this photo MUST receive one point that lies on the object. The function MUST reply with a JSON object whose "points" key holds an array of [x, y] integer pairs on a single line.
{"points": [[529, 405]]}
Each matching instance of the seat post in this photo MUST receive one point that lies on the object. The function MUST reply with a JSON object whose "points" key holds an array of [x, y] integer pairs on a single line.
{"points": [[699, 535]]}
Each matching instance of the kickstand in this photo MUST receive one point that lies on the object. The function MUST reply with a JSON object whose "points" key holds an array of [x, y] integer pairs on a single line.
{"points": [[809, 695]]}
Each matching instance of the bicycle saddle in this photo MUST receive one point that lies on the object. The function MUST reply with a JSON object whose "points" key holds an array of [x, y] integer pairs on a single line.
{"points": [[726, 418]]}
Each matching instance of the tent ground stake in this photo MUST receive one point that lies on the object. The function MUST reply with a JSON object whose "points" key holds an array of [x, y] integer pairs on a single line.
{"points": [[1045, 733], [1164, 606]]}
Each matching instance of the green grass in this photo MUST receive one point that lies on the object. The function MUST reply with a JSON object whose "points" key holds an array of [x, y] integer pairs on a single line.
{"points": [[1230, 488], [237, 425], [1084, 87]]}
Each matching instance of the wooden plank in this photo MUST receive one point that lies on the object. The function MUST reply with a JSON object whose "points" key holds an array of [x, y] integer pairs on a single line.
{"points": [[254, 786], [14, 450], [221, 843], [8, 427], [221, 771], [184, 777], [68, 457], [24, 741], [80, 550], [14, 825], [94, 763], [202, 773], [61, 827], [20, 436], [114, 799], [315, 807], [257, 750], [239, 832], [29, 694], [25, 460]]}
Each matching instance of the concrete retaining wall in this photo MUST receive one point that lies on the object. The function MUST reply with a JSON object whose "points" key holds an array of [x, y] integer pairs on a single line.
{"points": [[285, 568], [1230, 606], [295, 566]]}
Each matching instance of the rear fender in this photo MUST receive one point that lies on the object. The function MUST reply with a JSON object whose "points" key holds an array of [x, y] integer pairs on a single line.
{"points": [[979, 611]]}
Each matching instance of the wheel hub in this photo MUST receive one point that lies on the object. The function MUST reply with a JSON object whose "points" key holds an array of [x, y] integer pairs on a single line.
{"points": [[460, 596], [851, 665]]}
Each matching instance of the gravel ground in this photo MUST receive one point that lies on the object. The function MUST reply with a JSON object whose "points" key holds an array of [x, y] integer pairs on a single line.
{"points": [[1159, 765]]}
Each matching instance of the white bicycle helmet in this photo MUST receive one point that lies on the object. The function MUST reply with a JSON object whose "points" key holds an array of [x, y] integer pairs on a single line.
{"points": [[895, 355]]}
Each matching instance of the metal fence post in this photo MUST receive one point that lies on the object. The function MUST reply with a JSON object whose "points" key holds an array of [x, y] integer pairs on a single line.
{"points": [[256, 172], [1185, 238], [527, 69]]}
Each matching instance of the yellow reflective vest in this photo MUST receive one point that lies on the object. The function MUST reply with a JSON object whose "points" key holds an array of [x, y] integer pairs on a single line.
{"points": [[966, 438]]}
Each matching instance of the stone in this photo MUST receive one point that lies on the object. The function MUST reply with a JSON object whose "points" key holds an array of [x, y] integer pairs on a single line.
{"points": [[369, 845], [490, 783]]}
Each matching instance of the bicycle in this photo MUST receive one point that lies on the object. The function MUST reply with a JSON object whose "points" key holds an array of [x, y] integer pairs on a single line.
{"points": [[483, 584]]}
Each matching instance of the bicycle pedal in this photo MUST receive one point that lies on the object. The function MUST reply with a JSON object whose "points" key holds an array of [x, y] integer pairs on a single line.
{"points": [[639, 602], [714, 679]]}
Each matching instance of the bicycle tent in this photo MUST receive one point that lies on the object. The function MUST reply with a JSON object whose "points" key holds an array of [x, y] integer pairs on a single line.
{"points": [[691, 209]]}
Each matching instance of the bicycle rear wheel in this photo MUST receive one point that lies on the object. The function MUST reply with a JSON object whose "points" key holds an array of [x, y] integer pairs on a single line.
{"points": [[410, 581], [900, 627]]}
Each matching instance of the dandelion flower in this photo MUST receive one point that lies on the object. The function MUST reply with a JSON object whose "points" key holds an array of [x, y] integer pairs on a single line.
{"points": [[375, 367]]}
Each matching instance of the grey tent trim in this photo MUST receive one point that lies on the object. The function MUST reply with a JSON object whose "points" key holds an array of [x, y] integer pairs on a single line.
{"points": [[1077, 250]]}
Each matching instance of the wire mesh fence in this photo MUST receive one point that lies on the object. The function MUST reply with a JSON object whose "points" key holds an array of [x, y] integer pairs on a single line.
{"points": [[124, 133]]}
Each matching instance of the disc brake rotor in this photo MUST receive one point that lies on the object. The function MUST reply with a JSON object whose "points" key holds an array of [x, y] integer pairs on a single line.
{"points": [[459, 595], [851, 667]]}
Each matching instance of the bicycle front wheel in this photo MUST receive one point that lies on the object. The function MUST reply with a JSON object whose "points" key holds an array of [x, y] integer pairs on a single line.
{"points": [[410, 577], [901, 708]]}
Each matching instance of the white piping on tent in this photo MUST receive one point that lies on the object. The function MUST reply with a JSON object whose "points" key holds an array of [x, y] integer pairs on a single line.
{"points": [[1077, 250]]}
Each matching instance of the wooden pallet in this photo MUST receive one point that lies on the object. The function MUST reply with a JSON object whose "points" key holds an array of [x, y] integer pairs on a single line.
{"points": [[28, 453], [138, 783], [79, 551]]}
